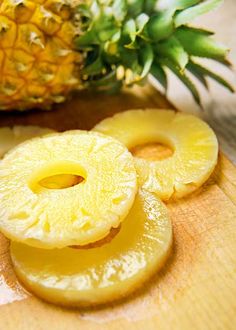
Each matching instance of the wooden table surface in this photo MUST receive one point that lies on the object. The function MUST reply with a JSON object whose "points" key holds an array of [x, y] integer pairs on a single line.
{"points": [[197, 288]]}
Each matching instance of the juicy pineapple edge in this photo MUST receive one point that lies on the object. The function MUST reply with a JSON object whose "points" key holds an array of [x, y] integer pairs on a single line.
{"points": [[50, 48], [82, 278]]}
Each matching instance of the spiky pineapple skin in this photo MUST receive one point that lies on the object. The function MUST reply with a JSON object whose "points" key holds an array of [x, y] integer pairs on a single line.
{"points": [[39, 65]]}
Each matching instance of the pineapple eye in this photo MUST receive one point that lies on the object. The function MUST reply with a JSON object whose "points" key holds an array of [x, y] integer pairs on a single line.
{"points": [[152, 151]]}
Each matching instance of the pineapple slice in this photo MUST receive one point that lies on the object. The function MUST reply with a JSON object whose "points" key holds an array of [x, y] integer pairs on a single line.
{"points": [[11, 137], [36, 214], [74, 277], [193, 145]]}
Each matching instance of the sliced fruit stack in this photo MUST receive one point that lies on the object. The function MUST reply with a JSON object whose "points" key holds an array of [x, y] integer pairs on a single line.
{"points": [[85, 217]]}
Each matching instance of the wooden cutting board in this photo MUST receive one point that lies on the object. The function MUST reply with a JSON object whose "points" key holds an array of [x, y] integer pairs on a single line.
{"points": [[196, 289]]}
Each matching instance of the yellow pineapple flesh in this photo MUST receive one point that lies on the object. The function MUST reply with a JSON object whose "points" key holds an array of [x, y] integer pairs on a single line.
{"points": [[12, 136], [192, 149], [75, 277], [39, 65], [37, 213]]}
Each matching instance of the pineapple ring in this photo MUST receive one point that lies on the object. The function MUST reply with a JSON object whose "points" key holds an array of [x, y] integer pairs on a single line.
{"points": [[194, 146], [73, 277], [11, 137], [78, 215]]}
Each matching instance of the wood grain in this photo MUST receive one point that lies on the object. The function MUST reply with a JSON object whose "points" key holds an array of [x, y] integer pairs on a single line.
{"points": [[85, 109], [196, 289]]}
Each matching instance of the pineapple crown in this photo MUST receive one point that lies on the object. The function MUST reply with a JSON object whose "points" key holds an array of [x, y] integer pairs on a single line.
{"points": [[125, 40]]}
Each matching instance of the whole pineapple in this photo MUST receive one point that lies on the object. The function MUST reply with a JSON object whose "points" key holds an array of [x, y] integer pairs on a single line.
{"points": [[49, 48]]}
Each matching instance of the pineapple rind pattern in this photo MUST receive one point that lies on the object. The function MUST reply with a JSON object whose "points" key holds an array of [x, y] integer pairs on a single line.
{"points": [[37, 57]]}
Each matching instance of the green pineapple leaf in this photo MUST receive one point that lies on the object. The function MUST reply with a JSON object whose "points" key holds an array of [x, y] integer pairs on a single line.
{"points": [[129, 32], [120, 10], [87, 41], [130, 59], [84, 11], [94, 68], [159, 73], [135, 7], [160, 26], [206, 72], [108, 83], [141, 21], [146, 58], [175, 5], [197, 73], [172, 49], [185, 79], [144, 37], [189, 14], [197, 42], [149, 6]]}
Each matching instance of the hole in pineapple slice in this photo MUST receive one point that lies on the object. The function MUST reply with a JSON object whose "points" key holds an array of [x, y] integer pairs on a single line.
{"points": [[107, 239], [57, 175], [152, 151], [61, 181]]}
